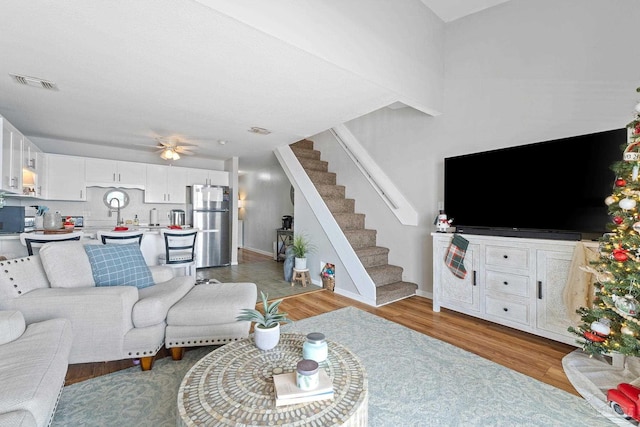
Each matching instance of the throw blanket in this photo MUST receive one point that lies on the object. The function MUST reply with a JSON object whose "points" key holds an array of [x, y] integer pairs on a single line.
{"points": [[579, 290]]}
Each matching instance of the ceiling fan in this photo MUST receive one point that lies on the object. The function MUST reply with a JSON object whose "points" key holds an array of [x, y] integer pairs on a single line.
{"points": [[172, 148]]}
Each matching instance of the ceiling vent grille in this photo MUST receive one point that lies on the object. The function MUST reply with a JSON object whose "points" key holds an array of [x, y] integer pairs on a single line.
{"points": [[259, 131], [34, 82]]}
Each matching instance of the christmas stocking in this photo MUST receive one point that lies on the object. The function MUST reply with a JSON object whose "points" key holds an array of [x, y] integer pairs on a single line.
{"points": [[455, 256]]}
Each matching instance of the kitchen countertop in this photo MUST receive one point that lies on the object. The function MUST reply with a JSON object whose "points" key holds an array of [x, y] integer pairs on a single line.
{"points": [[90, 232]]}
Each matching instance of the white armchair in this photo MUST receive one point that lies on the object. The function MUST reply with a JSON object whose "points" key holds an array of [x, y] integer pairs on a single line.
{"points": [[34, 364]]}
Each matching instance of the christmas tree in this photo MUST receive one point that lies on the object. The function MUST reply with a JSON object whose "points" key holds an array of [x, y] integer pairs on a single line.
{"points": [[612, 324]]}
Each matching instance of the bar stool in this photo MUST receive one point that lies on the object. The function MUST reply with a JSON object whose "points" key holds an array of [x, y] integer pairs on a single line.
{"points": [[33, 241], [179, 250], [301, 276], [119, 237]]}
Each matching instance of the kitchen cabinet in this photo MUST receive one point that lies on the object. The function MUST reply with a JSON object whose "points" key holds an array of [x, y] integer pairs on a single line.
{"points": [[32, 170], [165, 184], [64, 178], [207, 177], [112, 173], [11, 158], [515, 282], [31, 155]]}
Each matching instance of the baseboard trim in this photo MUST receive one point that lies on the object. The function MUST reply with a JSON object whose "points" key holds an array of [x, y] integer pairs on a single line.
{"points": [[268, 253]]}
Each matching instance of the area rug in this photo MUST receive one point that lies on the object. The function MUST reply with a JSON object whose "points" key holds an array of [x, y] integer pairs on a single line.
{"points": [[414, 380]]}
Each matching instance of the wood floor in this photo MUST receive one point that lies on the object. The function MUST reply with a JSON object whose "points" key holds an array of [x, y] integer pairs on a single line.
{"points": [[534, 356]]}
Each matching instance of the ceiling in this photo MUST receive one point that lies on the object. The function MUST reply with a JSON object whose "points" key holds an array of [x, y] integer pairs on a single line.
{"points": [[450, 10], [127, 73]]}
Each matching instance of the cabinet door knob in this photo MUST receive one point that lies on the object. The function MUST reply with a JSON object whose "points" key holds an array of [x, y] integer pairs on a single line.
{"points": [[505, 283], [505, 309], [505, 256]]}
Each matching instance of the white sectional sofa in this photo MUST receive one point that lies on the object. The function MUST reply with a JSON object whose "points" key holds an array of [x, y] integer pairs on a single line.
{"points": [[108, 322], [33, 365], [71, 290]]}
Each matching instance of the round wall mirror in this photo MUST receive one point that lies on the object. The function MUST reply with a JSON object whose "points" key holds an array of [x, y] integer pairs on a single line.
{"points": [[115, 198]]}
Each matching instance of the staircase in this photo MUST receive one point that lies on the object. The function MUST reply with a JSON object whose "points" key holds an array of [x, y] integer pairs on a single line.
{"points": [[388, 278]]}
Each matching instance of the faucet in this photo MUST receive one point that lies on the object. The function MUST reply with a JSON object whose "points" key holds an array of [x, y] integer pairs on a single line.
{"points": [[118, 220]]}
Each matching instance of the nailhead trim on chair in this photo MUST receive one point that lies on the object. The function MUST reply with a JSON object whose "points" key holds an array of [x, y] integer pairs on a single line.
{"points": [[15, 261], [145, 352], [209, 341], [56, 405]]}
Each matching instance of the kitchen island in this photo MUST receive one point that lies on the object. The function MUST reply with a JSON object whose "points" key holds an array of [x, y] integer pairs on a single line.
{"points": [[152, 243]]}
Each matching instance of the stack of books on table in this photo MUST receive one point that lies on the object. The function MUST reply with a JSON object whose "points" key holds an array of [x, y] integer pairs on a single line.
{"points": [[288, 393]]}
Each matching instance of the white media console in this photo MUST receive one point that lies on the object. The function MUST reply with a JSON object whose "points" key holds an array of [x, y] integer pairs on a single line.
{"points": [[516, 282]]}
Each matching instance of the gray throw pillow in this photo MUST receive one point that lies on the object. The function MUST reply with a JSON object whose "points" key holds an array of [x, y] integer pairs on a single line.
{"points": [[66, 265]]}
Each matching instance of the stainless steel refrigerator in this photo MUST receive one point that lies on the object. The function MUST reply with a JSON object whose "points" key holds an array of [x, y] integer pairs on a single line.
{"points": [[208, 206]]}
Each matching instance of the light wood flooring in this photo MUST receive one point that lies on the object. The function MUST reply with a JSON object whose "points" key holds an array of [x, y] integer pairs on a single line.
{"points": [[534, 356]]}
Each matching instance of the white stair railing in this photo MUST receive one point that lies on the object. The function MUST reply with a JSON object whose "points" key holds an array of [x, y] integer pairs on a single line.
{"points": [[386, 189]]}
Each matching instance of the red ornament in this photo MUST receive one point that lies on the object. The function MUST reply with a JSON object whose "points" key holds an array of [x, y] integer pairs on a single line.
{"points": [[620, 256], [620, 182], [618, 219], [593, 337]]}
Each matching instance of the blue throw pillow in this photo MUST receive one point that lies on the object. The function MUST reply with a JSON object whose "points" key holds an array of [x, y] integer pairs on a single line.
{"points": [[116, 265]]}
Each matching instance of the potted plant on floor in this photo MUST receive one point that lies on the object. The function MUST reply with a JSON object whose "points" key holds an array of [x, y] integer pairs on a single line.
{"points": [[301, 247], [266, 331]]}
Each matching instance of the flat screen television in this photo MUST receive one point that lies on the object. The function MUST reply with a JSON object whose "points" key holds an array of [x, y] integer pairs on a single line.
{"points": [[550, 190]]}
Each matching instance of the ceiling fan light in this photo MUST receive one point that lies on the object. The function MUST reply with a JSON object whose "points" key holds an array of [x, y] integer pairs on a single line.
{"points": [[176, 156], [167, 154]]}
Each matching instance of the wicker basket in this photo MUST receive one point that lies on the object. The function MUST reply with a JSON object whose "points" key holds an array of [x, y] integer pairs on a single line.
{"points": [[328, 283]]}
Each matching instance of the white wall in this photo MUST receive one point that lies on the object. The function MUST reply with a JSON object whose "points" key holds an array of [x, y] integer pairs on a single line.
{"points": [[395, 44], [265, 191], [524, 72]]}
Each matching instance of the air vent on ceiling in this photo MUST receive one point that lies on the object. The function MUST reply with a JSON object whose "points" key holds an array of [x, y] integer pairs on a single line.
{"points": [[34, 82], [259, 131]]}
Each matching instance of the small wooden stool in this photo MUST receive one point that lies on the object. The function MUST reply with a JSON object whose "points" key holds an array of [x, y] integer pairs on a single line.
{"points": [[302, 276]]}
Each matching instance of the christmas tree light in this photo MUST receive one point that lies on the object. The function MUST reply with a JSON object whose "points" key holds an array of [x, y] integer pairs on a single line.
{"points": [[612, 324]]}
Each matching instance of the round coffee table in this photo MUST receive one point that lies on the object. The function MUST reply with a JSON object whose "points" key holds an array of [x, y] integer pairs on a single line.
{"points": [[233, 386]]}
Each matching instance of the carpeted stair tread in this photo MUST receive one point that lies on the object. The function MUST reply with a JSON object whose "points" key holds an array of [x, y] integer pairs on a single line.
{"points": [[349, 220], [302, 153], [340, 205], [361, 238], [305, 144], [313, 164], [318, 177], [385, 274], [371, 256], [394, 292], [328, 190]]}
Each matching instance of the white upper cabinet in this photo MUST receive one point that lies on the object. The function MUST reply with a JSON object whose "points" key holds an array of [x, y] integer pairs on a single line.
{"points": [[112, 173], [11, 158], [32, 169], [165, 184], [31, 155], [64, 178], [207, 177]]}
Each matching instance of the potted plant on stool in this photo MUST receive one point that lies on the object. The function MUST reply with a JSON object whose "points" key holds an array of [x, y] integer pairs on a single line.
{"points": [[266, 331], [301, 247]]}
